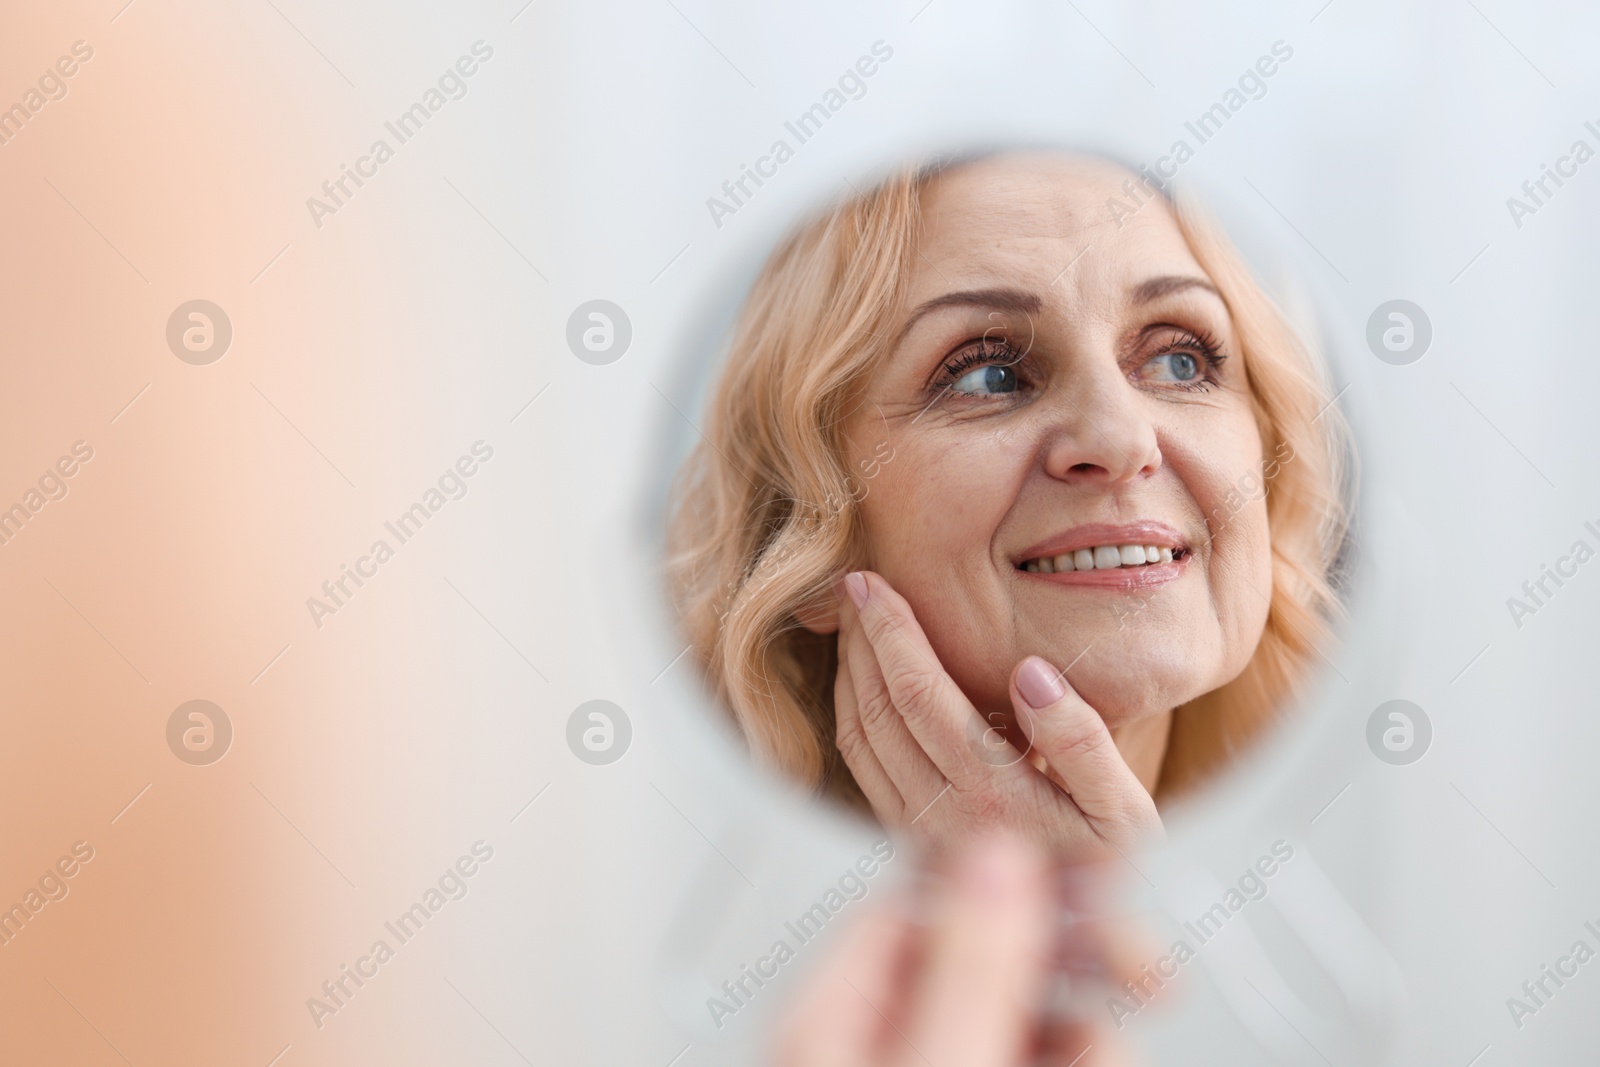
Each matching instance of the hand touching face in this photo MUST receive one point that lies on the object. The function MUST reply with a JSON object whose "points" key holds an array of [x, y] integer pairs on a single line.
{"points": [[930, 765]]}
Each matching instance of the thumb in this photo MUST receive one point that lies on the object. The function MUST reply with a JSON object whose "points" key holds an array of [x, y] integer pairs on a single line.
{"points": [[1081, 756]]}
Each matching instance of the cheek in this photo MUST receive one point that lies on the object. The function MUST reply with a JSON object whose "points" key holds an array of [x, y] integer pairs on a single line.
{"points": [[930, 518], [1241, 581], [1225, 480], [1239, 574], [933, 507]]}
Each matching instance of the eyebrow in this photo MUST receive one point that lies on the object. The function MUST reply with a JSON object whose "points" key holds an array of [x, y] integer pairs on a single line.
{"points": [[1155, 288], [1018, 301]]}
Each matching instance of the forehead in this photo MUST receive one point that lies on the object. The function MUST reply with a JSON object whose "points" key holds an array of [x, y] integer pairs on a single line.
{"points": [[1023, 219]]}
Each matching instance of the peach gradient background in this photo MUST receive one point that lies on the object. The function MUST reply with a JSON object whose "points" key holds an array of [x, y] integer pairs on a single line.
{"points": [[221, 899]]}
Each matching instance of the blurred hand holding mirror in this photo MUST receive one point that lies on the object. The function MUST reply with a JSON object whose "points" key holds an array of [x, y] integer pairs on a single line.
{"points": [[992, 466]]}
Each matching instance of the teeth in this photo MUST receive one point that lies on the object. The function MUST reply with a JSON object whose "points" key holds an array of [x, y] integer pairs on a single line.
{"points": [[1100, 558]]}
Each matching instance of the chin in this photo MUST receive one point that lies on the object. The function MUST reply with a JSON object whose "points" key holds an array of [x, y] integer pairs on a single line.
{"points": [[1133, 675]]}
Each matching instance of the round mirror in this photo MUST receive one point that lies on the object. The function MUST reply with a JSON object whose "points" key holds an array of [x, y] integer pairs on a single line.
{"points": [[1016, 494]]}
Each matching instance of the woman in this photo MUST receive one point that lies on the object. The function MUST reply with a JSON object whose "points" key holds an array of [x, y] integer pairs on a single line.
{"points": [[1080, 478]]}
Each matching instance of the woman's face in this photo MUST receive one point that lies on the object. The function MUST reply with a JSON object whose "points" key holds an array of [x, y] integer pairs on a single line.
{"points": [[1061, 388]]}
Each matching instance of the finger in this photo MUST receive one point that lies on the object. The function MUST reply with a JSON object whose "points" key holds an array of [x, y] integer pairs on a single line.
{"points": [[1082, 757], [984, 969], [1099, 946], [838, 1018], [901, 756], [1085, 1044], [1099, 933], [937, 713], [851, 738]]}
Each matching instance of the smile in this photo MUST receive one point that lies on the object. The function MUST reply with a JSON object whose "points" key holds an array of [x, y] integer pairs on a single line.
{"points": [[1102, 558], [1118, 556]]}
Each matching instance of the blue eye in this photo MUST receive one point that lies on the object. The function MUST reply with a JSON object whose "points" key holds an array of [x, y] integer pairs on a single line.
{"points": [[1173, 367], [986, 381]]}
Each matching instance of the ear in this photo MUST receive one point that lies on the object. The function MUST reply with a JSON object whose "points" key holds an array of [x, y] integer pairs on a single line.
{"points": [[820, 615]]}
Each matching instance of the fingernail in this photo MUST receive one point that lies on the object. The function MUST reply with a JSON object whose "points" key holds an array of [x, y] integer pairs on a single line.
{"points": [[1039, 684], [855, 583]]}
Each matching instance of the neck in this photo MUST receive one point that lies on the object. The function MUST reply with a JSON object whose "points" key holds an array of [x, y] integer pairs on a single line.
{"points": [[1143, 745]]}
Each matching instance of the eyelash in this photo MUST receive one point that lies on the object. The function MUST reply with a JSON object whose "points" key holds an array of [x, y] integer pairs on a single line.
{"points": [[988, 350], [985, 350], [1200, 343]]}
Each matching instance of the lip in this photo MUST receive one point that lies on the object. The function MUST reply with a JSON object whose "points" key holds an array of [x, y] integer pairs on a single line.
{"points": [[1090, 536]]}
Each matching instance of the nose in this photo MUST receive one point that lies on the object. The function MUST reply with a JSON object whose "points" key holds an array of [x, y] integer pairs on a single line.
{"points": [[1100, 431]]}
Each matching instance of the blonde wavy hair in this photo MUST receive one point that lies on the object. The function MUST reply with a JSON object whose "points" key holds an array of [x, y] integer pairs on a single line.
{"points": [[764, 518]]}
